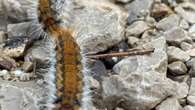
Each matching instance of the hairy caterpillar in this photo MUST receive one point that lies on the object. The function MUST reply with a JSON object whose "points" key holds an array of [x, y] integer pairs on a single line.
{"points": [[68, 68]]}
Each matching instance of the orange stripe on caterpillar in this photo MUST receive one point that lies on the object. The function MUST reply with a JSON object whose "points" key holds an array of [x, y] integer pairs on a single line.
{"points": [[68, 77]]}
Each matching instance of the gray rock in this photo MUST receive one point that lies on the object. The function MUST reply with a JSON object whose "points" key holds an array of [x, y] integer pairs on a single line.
{"points": [[181, 78], [19, 10], [2, 37], [140, 7], [177, 35], [169, 104], [186, 46], [169, 22], [140, 91], [186, 11], [150, 35], [4, 72], [98, 70], [191, 95], [188, 107], [156, 61], [191, 52], [95, 88], [184, 24], [175, 54], [1, 8], [192, 31], [123, 67], [19, 29], [27, 66], [132, 41], [3, 23], [94, 84], [98, 28], [191, 65], [177, 68], [132, 17], [138, 85], [39, 52], [150, 20], [192, 87], [191, 100], [182, 90], [16, 98], [3, 18], [136, 28]]}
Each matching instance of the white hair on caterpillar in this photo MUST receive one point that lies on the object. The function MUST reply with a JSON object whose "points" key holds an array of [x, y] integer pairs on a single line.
{"points": [[86, 102], [51, 75]]}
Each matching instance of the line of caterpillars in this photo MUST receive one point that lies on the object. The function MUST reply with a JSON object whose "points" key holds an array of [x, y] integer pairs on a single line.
{"points": [[68, 76]]}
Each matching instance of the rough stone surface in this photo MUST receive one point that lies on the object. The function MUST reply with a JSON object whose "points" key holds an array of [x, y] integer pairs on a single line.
{"points": [[169, 104], [184, 24], [136, 28], [177, 68], [189, 14], [156, 61], [175, 36], [186, 46], [191, 66], [140, 7], [191, 100], [149, 35], [169, 22], [36, 53], [192, 31], [98, 27], [188, 107], [181, 78], [191, 52], [18, 10], [175, 54], [98, 70], [19, 29], [130, 90], [132, 17], [132, 41], [27, 66], [192, 87], [2, 37], [23, 99], [191, 95]]}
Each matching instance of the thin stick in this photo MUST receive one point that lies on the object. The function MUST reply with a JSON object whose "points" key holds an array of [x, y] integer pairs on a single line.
{"points": [[119, 54]]}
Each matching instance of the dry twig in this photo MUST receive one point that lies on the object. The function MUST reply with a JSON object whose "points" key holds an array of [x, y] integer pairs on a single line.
{"points": [[129, 52]]}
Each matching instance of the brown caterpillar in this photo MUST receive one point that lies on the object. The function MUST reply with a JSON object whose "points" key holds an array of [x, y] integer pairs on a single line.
{"points": [[68, 77]]}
